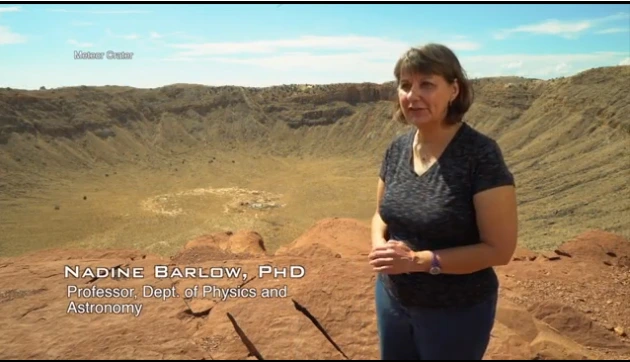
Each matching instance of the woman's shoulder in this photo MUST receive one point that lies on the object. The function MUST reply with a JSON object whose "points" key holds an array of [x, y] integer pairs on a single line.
{"points": [[401, 140], [488, 163], [477, 142]]}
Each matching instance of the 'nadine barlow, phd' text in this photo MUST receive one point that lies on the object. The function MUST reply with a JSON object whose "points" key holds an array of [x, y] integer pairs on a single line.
{"points": [[167, 272]]}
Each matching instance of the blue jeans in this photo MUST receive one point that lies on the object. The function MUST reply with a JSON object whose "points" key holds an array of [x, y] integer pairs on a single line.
{"points": [[432, 334]]}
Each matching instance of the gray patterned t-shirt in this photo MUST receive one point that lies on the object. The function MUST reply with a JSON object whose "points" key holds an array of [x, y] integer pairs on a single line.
{"points": [[435, 211]]}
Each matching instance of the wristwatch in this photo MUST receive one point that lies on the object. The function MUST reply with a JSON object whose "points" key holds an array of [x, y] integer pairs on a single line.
{"points": [[436, 268]]}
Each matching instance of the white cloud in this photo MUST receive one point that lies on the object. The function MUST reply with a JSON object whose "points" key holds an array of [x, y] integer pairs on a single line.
{"points": [[613, 30], [371, 46], [549, 27], [9, 37], [372, 58], [350, 54], [566, 29], [10, 9], [625, 61], [155, 35], [462, 45], [562, 68], [513, 65], [326, 43], [614, 17], [79, 44], [6, 35], [99, 11], [538, 66], [373, 66], [298, 62]]}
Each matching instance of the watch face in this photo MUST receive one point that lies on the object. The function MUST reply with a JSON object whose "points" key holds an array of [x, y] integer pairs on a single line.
{"points": [[434, 270]]}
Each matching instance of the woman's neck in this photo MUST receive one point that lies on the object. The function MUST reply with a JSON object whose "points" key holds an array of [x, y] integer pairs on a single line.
{"points": [[435, 135]]}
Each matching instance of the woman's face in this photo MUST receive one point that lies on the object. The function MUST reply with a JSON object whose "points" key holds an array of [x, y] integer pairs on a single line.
{"points": [[424, 98]]}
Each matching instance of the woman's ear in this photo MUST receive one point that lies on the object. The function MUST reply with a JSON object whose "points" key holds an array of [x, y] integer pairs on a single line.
{"points": [[455, 90]]}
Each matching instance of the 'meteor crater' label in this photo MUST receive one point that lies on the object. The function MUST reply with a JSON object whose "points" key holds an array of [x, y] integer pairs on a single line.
{"points": [[108, 55]]}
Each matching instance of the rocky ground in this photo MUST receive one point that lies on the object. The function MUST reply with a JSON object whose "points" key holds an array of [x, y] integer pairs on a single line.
{"points": [[571, 303]]}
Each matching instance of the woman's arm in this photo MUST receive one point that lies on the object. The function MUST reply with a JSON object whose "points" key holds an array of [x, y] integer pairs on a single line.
{"points": [[379, 228], [497, 221]]}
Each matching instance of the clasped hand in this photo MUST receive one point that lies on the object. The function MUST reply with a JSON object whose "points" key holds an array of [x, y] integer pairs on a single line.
{"points": [[392, 258]]}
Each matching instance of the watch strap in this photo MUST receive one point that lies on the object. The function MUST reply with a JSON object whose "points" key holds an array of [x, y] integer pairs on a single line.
{"points": [[435, 262], [436, 267]]}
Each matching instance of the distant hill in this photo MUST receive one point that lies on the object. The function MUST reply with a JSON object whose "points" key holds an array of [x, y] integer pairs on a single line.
{"points": [[565, 139]]}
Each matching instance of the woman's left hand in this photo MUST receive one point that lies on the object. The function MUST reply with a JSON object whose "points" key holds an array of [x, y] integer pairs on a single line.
{"points": [[392, 258]]}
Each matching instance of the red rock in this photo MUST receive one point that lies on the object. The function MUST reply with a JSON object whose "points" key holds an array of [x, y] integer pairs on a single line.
{"points": [[327, 314]]}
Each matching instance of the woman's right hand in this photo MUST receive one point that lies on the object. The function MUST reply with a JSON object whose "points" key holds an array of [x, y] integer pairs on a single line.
{"points": [[394, 257]]}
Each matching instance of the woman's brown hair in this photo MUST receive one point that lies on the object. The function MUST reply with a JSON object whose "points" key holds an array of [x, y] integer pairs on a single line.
{"points": [[439, 60]]}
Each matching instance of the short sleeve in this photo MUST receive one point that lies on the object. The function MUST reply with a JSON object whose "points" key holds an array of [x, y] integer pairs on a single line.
{"points": [[491, 170]]}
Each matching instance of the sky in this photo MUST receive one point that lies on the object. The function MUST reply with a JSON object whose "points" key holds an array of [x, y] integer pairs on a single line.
{"points": [[268, 44]]}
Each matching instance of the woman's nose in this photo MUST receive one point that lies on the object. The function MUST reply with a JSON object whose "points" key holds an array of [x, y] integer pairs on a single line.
{"points": [[414, 93]]}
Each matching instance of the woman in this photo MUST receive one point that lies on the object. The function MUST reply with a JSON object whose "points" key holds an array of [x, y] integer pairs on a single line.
{"points": [[446, 215]]}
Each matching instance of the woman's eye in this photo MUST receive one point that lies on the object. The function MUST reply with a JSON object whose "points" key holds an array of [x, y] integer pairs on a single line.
{"points": [[423, 85]]}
